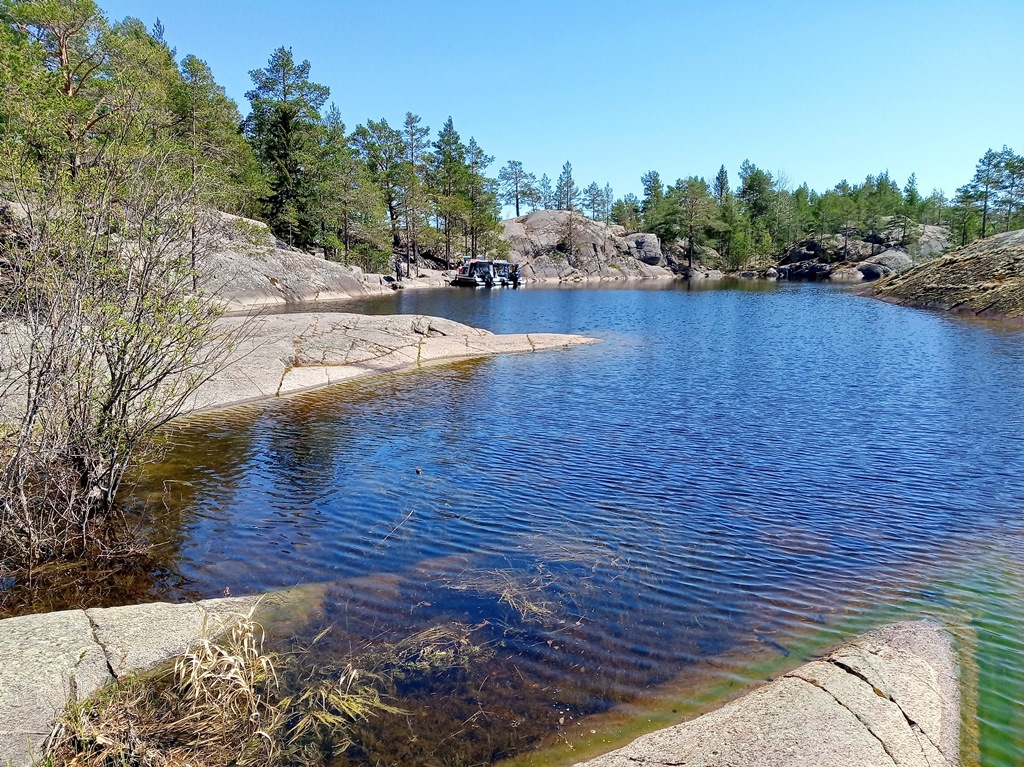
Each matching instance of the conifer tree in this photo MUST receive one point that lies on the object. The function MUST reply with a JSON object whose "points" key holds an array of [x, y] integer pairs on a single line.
{"points": [[721, 186], [984, 185], [593, 198], [518, 187], [626, 213], [382, 148], [546, 194], [282, 129], [609, 198], [481, 195], [413, 183], [449, 175], [654, 196], [567, 191]]}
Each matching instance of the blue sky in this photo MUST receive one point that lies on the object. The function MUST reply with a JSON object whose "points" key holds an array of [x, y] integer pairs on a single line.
{"points": [[819, 90]]}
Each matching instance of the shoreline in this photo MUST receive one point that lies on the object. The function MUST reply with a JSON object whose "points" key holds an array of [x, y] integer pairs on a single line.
{"points": [[288, 354], [949, 310]]}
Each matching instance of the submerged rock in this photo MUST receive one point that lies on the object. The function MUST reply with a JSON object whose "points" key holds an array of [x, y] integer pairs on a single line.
{"points": [[891, 697]]}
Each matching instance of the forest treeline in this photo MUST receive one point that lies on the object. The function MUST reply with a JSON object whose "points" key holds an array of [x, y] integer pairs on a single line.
{"points": [[361, 195]]}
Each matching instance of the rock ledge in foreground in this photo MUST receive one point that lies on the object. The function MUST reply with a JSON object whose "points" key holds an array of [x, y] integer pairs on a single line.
{"points": [[889, 698]]}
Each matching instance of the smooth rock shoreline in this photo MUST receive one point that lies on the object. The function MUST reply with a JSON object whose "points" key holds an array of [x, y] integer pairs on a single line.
{"points": [[284, 354], [889, 698]]}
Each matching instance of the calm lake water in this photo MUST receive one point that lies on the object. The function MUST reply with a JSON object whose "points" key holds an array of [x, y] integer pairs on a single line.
{"points": [[611, 537]]}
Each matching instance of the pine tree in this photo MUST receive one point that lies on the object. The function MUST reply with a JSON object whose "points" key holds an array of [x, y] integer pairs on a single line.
{"points": [[449, 176], [609, 198], [626, 213], [482, 199], [413, 182], [593, 198], [546, 194], [382, 148], [206, 122], [517, 186], [654, 196], [984, 185], [282, 130], [567, 191], [721, 186], [1011, 184]]}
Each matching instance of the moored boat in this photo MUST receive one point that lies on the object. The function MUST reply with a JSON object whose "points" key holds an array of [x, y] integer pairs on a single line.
{"points": [[483, 273]]}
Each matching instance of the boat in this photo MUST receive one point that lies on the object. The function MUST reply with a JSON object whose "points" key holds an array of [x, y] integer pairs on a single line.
{"points": [[484, 273], [476, 273], [506, 273]]}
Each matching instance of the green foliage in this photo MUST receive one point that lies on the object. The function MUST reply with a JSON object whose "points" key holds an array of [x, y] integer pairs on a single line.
{"points": [[568, 195], [518, 188], [108, 334], [654, 195], [282, 128], [545, 194], [627, 214], [207, 122]]}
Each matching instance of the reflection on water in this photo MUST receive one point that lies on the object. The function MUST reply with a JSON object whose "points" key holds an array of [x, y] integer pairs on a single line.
{"points": [[732, 481]]}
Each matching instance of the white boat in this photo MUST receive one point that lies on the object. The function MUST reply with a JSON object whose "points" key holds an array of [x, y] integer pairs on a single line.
{"points": [[483, 273]]}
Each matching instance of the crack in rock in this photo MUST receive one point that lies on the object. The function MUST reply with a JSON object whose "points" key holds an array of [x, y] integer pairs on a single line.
{"points": [[915, 727], [103, 647], [858, 717]]}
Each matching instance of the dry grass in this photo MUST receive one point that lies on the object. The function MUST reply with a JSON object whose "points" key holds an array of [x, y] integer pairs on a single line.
{"points": [[223, 703]]}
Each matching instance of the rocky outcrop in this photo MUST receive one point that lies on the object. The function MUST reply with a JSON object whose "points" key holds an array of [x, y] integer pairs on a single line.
{"points": [[244, 265], [810, 270], [985, 278], [50, 660], [852, 258], [283, 354], [540, 244], [930, 241], [890, 698]]}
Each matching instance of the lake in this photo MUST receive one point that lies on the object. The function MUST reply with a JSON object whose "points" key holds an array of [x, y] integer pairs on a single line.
{"points": [[609, 538]]}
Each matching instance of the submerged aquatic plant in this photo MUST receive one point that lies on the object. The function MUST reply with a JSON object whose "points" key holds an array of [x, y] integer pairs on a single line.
{"points": [[524, 595], [434, 650]]}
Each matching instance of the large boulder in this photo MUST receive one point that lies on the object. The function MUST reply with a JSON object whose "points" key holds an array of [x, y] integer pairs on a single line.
{"points": [[885, 264], [805, 270], [931, 241], [807, 250], [540, 244]]}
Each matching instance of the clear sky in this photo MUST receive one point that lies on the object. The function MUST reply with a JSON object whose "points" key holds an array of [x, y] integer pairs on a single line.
{"points": [[820, 90]]}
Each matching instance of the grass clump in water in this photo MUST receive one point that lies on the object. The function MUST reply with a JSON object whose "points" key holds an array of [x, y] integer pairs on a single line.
{"points": [[435, 650], [223, 703], [524, 596]]}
